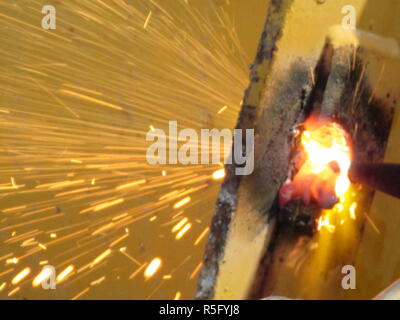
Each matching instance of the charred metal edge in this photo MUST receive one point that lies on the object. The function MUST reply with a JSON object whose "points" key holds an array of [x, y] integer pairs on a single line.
{"points": [[321, 73]]}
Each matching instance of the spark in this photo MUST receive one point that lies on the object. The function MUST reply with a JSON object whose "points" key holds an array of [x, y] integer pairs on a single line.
{"points": [[130, 185], [137, 271], [98, 281], [353, 210], [323, 222], [182, 202], [29, 242], [103, 228], [101, 257], [179, 225], [123, 237], [185, 229], [219, 174], [201, 236], [12, 260], [90, 99], [13, 291], [63, 275], [146, 23], [83, 143], [152, 268], [80, 294], [6, 272], [195, 271], [123, 251], [21, 275], [14, 209], [178, 296], [107, 204], [14, 185], [376, 229], [120, 216], [222, 109]]}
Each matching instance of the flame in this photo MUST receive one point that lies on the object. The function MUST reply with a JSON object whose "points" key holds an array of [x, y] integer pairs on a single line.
{"points": [[324, 222], [323, 175], [322, 178], [324, 146]]}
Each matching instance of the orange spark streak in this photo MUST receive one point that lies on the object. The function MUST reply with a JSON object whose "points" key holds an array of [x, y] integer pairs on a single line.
{"points": [[182, 202], [152, 268], [21, 275]]}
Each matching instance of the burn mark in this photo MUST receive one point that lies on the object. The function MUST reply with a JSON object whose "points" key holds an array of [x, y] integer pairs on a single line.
{"points": [[345, 97], [367, 120], [322, 72]]}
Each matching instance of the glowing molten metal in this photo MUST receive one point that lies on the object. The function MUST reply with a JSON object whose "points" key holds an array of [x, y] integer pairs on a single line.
{"points": [[325, 162]]}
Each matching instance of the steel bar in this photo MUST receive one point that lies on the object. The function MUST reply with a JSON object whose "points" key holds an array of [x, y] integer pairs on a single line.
{"points": [[384, 177]]}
